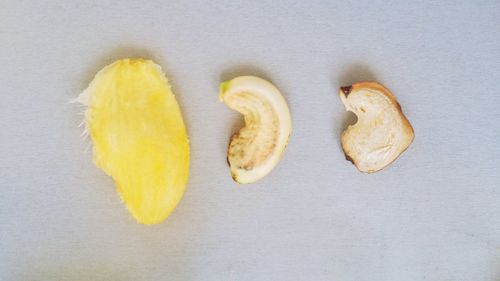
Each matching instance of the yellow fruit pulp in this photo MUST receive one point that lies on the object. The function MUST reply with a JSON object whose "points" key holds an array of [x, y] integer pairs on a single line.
{"points": [[139, 136]]}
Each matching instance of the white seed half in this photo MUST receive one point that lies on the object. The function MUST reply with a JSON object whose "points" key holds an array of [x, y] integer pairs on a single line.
{"points": [[257, 147]]}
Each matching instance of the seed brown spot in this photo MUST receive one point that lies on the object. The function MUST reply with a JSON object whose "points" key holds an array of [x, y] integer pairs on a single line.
{"points": [[348, 158], [346, 90]]}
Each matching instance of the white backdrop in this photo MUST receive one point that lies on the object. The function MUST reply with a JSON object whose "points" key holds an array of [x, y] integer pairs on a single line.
{"points": [[434, 214]]}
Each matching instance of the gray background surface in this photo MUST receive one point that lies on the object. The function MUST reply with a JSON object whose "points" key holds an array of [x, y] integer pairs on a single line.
{"points": [[432, 215]]}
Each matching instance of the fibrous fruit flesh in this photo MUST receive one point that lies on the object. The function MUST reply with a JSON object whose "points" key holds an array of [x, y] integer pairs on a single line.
{"points": [[256, 149], [138, 136], [382, 131]]}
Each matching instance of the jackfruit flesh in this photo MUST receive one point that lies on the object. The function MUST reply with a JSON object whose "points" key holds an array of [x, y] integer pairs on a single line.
{"points": [[138, 136]]}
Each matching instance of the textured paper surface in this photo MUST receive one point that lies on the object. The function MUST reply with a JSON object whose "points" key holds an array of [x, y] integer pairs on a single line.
{"points": [[432, 215]]}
